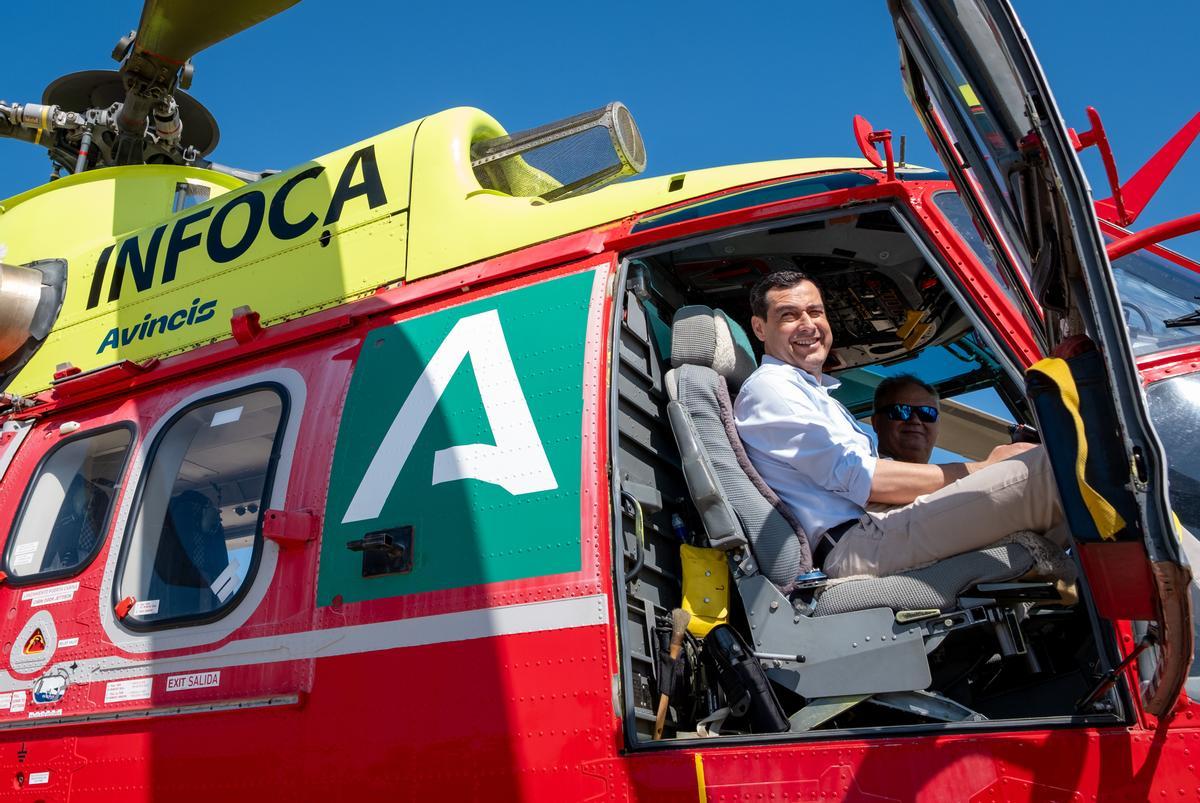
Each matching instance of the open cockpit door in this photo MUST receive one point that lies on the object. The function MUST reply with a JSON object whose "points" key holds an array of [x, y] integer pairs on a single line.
{"points": [[976, 85]]}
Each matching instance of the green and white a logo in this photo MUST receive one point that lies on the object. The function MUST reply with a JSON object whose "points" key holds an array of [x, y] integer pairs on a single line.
{"points": [[466, 425], [517, 462]]}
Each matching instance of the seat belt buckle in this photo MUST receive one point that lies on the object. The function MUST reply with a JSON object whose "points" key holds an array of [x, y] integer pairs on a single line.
{"points": [[811, 581]]}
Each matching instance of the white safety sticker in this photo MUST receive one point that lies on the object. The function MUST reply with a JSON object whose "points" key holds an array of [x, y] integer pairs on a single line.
{"points": [[5, 700], [40, 714], [147, 607], [23, 554], [122, 691], [18, 702], [51, 595], [196, 680], [68, 642], [36, 778], [226, 582], [226, 416]]}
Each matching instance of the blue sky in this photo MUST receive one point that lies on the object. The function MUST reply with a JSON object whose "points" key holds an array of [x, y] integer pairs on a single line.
{"points": [[709, 83]]}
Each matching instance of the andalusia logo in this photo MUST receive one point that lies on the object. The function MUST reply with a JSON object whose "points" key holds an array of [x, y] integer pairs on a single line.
{"points": [[36, 643]]}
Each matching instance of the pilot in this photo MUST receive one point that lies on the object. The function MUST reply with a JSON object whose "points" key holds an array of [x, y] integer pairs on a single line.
{"points": [[905, 418], [812, 452]]}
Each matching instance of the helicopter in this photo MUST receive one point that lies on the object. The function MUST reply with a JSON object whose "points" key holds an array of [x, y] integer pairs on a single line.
{"points": [[321, 482]]}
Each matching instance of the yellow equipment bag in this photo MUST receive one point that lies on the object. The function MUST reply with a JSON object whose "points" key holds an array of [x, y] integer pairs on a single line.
{"points": [[705, 588]]}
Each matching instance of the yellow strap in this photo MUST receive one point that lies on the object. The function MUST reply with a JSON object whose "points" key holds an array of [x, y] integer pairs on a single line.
{"points": [[701, 792], [1108, 521]]}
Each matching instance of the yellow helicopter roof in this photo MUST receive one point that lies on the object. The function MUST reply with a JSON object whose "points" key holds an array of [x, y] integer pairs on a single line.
{"points": [[150, 273]]}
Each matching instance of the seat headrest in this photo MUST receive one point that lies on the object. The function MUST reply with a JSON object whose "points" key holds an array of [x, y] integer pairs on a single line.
{"points": [[703, 336]]}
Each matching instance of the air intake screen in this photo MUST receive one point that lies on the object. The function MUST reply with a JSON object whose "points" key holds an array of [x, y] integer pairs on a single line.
{"points": [[561, 159]]}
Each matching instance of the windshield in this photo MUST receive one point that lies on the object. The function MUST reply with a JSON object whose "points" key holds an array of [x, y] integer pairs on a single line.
{"points": [[1155, 290]]}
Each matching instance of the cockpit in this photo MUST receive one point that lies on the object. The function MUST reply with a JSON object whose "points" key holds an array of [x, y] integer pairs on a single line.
{"points": [[1019, 646]]}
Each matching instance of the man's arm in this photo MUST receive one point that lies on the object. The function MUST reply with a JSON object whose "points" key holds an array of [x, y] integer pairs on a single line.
{"points": [[897, 483]]}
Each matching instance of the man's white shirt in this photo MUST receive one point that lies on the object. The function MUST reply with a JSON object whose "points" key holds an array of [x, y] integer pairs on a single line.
{"points": [[805, 444]]}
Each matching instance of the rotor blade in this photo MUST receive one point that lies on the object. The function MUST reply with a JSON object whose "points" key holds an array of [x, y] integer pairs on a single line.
{"points": [[176, 30]]}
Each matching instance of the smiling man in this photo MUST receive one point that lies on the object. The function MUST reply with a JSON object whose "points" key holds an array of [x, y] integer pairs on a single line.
{"points": [[906, 418], [813, 453]]}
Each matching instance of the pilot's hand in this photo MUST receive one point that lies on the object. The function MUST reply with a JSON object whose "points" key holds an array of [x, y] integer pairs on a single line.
{"points": [[1006, 451]]}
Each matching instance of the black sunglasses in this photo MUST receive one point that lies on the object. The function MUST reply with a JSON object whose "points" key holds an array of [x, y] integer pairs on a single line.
{"points": [[903, 412]]}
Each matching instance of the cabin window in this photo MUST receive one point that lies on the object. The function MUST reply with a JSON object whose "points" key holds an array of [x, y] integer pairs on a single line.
{"points": [[64, 516], [196, 530]]}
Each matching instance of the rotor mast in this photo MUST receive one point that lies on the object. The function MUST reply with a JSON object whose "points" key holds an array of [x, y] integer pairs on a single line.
{"points": [[147, 113]]}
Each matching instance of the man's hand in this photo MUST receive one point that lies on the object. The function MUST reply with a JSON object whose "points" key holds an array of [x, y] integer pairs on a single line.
{"points": [[1006, 451]]}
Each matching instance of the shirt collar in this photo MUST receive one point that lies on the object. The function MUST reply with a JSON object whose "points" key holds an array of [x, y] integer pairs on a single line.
{"points": [[826, 381]]}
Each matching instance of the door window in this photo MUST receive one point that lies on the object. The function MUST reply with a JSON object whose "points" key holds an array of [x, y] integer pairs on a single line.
{"points": [[983, 111], [951, 205], [197, 525], [65, 513]]}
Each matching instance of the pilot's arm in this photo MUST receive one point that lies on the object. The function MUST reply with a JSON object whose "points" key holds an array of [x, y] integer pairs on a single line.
{"points": [[897, 483]]}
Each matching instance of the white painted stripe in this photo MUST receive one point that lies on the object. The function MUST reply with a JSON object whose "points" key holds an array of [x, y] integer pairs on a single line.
{"points": [[507, 620], [531, 617]]}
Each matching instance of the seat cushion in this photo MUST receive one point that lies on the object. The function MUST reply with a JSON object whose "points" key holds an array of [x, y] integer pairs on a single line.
{"points": [[939, 585]]}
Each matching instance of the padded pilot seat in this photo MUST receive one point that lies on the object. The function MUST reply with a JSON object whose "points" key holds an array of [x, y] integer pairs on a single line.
{"points": [[711, 357], [862, 638]]}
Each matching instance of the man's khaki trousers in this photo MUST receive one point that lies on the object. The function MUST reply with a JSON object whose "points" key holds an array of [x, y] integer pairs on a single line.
{"points": [[978, 510]]}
